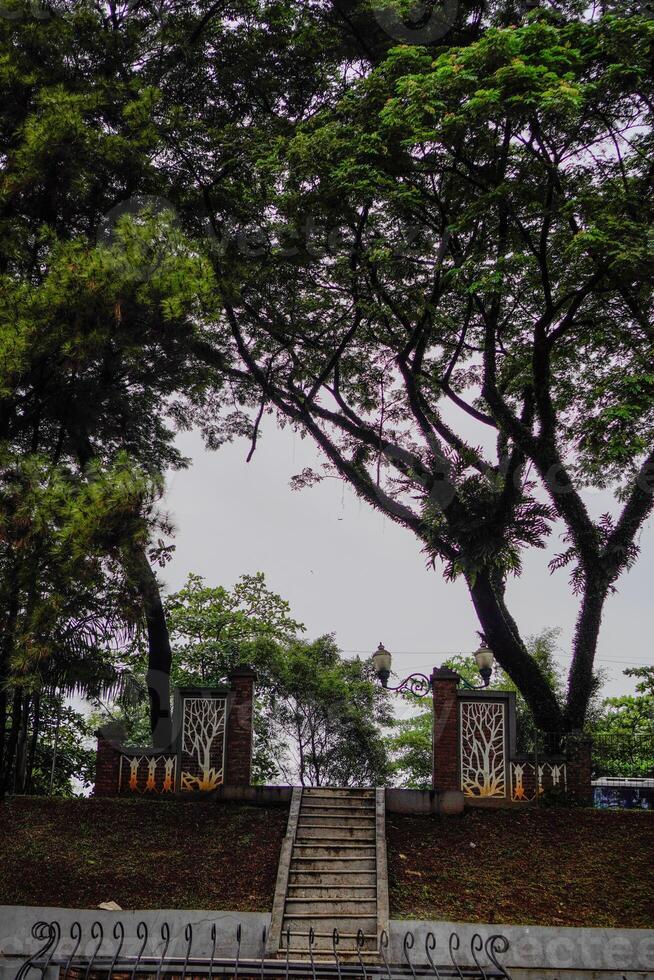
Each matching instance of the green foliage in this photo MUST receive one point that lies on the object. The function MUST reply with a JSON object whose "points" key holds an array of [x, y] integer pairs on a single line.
{"points": [[623, 732], [64, 597], [326, 714], [410, 745], [55, 731], [318, 716], [492, 271], [210, 627], [75, 750]]}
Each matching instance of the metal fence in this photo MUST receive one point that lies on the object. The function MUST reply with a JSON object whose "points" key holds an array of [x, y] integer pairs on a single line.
{"points": [[630, 755], [108, 958]]}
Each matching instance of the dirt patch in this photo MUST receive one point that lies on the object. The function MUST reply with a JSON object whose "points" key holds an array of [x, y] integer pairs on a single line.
{"points": [[142, 854], [548, 867]]}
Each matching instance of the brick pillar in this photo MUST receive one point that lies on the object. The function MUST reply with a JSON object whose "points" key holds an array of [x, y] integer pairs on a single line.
{"points": [[579, 768], [445, 772], [107, 761], [238, 766]]}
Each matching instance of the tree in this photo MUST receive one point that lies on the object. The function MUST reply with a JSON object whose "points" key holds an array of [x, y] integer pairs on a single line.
{"points": [[623, 732], [317, 716], [210, 627], [65, 602], [62, 759], [494, 287], [327, 714], [98, 309], [410, 744]]}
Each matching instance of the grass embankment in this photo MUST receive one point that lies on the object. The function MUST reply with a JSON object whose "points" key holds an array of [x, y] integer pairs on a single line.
{"points": [[142, 854], [541, 867], [548, 867]]}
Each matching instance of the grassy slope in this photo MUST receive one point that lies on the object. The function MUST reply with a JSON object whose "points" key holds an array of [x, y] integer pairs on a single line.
{"points": [[139, 853], [543, 867]]}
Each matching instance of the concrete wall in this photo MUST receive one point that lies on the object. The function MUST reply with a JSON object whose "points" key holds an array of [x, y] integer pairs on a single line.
{"points": [[424, 801], [16, 939], [538, 951], [257, 795], [535, 952]]}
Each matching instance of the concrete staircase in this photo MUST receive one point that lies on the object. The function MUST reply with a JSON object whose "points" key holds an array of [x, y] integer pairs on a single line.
{"points": [[336, 874]]}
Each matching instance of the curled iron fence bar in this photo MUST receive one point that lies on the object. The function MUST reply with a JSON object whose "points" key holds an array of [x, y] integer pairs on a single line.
{"points": [[119, 934], [406, 946], [477, 946], [430, 946], [495, 945], [141, 933], [109, 959], [383, 947], [361, 941], [455, 944], [337, 959]]}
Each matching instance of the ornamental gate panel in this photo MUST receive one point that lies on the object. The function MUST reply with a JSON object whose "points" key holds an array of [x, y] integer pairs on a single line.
{"points": [[202, 747], [211, 745], [483, 733]]}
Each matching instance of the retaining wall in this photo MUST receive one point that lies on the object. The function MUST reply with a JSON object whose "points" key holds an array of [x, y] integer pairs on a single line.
{"points": [[535, 951]]}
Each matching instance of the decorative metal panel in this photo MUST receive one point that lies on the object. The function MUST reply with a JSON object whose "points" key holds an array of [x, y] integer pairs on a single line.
{"points": [[147, 773], [203, 743], [483, 751], [526, 782]]}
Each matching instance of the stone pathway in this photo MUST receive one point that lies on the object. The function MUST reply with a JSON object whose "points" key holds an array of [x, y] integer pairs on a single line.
{"points": [[332, 873]]}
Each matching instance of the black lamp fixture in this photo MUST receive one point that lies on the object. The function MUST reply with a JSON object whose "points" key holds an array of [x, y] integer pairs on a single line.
{"points": [[485, 660], [419, 684]]}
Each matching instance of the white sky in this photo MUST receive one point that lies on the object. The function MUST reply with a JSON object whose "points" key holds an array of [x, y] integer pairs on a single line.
{"points": [[346, 569]]}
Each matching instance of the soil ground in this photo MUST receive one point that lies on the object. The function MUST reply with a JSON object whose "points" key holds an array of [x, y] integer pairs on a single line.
{"points": [[546, 866], [142, 854]]}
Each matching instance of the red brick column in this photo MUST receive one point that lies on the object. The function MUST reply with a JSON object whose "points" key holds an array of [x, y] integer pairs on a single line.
{"points": [[238, 765], [445, 774], [107, 763], [579, 768]]}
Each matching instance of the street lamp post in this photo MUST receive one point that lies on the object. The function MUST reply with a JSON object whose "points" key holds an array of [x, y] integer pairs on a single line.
{"points": [[419, 684]]}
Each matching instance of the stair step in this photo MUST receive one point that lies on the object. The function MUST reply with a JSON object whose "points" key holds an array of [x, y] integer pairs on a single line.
{"points": [[320, 934], [332, 892], [344, 923], [338, 791], [332, 805], [326, 953], [357, 865], [348, 835], [325, 820], [332, 879], [336, 844], [330, 907], [332, 871], [369, 953], [310, 916]]}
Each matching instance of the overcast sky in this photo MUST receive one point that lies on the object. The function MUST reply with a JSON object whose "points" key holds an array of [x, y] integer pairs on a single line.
{"points": [[346, 569]]}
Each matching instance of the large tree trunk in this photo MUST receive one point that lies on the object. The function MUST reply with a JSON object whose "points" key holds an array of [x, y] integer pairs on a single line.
{"points": [[36, 725], [503, 638], [21, 749], [6, 647], [581, 678], [12, 741], [159, 652]]}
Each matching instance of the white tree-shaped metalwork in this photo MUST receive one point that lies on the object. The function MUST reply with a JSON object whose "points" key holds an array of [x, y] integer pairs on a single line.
{"points": [[483, 769], [204, 723]]}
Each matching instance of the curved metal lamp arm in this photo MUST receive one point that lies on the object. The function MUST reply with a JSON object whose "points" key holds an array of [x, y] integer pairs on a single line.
{"points": [[417, 684], [420, 685]]}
